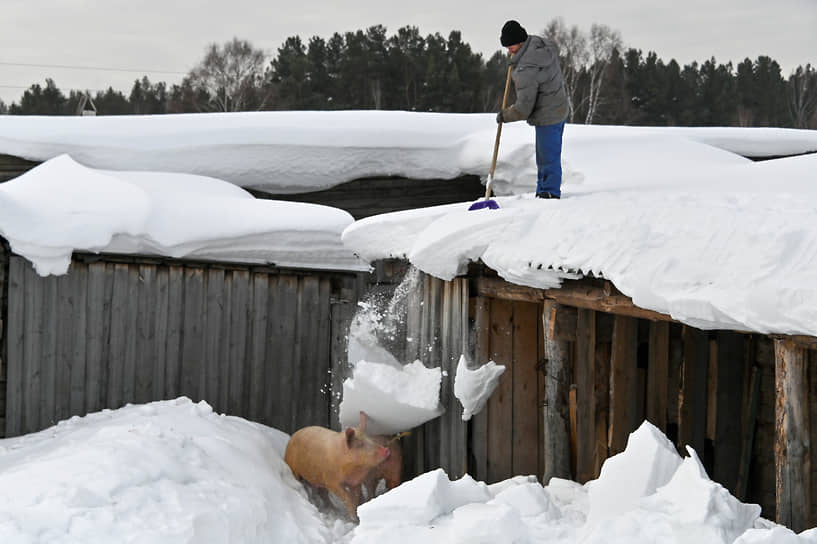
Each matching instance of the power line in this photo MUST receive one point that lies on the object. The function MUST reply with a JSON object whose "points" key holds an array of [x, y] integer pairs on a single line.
{"points": [[93, 68]]}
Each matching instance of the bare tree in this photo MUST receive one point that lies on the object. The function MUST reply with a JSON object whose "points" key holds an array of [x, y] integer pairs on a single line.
{"points": [[573, 56], [603, 41], [803, 95], [231, 75]]}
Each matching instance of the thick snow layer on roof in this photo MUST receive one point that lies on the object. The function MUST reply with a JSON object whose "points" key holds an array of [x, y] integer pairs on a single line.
{"points": [[61, 206], [304, 151], [686, 229]]}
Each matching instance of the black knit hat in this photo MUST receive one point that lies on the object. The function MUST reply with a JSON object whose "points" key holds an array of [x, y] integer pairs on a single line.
{"points": [[512, 33]]}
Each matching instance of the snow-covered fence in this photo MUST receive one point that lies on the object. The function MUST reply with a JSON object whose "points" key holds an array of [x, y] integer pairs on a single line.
{"points": [[257, 342]]}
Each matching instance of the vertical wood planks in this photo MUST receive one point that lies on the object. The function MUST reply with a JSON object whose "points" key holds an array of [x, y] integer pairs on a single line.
{"points": [[479, 422], [792, 440], [731, 375], [623, 380], [658, 374], [259, 285], [237, 354], [287, 356], [500, 405], [175, 327], [15, 337], [95, 358], [525, 394], [215, 340], [693, 395], [192, 355], [32, 351], [145, 334], [585, 379]]}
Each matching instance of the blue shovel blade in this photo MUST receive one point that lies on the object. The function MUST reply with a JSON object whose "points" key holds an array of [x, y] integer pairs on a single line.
{"points": [[482, 204]]}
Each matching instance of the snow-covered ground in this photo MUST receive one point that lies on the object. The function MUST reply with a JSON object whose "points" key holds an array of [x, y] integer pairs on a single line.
{"points": [[176, 472]]}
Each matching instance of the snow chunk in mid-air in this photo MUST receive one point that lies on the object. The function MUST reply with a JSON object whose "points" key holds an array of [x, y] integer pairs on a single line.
{"points": [[395, 399], [473, 388]]}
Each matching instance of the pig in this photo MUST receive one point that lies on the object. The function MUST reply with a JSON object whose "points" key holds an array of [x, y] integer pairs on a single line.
{"points": [[335, 461], [390, 470]]}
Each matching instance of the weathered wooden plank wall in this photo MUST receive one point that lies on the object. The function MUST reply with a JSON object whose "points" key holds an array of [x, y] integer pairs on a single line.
{"points": [[259, 343], [437, 323]]}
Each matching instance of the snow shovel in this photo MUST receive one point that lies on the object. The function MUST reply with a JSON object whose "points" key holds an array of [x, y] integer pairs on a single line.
{"points": [[489, 202]]}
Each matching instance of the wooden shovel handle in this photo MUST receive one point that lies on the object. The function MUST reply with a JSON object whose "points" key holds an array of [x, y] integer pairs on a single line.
{"points": [[498, 135]]}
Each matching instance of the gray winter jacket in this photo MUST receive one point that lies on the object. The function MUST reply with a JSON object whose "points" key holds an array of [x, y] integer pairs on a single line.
{"points": [[540, 89]]}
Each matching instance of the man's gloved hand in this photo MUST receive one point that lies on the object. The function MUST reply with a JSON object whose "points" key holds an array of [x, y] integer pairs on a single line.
{"points": [[499, 118]]}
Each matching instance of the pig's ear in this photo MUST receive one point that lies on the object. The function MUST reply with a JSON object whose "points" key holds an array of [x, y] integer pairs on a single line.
{"points": [[350, 436]]}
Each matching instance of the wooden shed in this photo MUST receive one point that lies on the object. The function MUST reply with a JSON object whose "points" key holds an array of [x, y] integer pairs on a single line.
{"points": [[585, 367], [260, 342]]}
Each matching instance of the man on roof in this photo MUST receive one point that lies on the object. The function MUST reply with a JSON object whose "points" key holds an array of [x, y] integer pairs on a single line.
{"points": [[540, 99]]}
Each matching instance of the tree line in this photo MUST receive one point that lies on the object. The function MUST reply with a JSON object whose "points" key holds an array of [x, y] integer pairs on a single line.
{"points": [[370, 69]]}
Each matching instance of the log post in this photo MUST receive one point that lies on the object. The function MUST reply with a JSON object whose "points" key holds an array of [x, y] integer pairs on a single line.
{"points": [[556, 435], [792, 444]]}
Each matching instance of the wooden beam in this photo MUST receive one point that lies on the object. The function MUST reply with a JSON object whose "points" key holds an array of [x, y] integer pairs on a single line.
{"points": [[578, 294], [623, 380], [593, 295], [792, 441]]}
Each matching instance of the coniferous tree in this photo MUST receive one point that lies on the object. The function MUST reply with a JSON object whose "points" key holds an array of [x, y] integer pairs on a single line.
{"points": [[407, 52], [146, 98], [111, 102], [802, 87], [716, 102], [290, 73], [37, 100]]}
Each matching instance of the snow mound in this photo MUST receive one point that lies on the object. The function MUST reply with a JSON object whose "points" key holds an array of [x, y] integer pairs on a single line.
{"points": [[395, 399], [61, 206], [170, 471], [661, 498], [473, 388]]}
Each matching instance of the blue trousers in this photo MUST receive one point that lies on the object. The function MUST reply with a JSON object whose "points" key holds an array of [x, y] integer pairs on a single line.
{"points": [[549, 158]]}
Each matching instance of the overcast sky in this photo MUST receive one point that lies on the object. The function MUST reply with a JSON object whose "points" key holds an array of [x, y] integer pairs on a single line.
{"points": [[151, 36]]}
